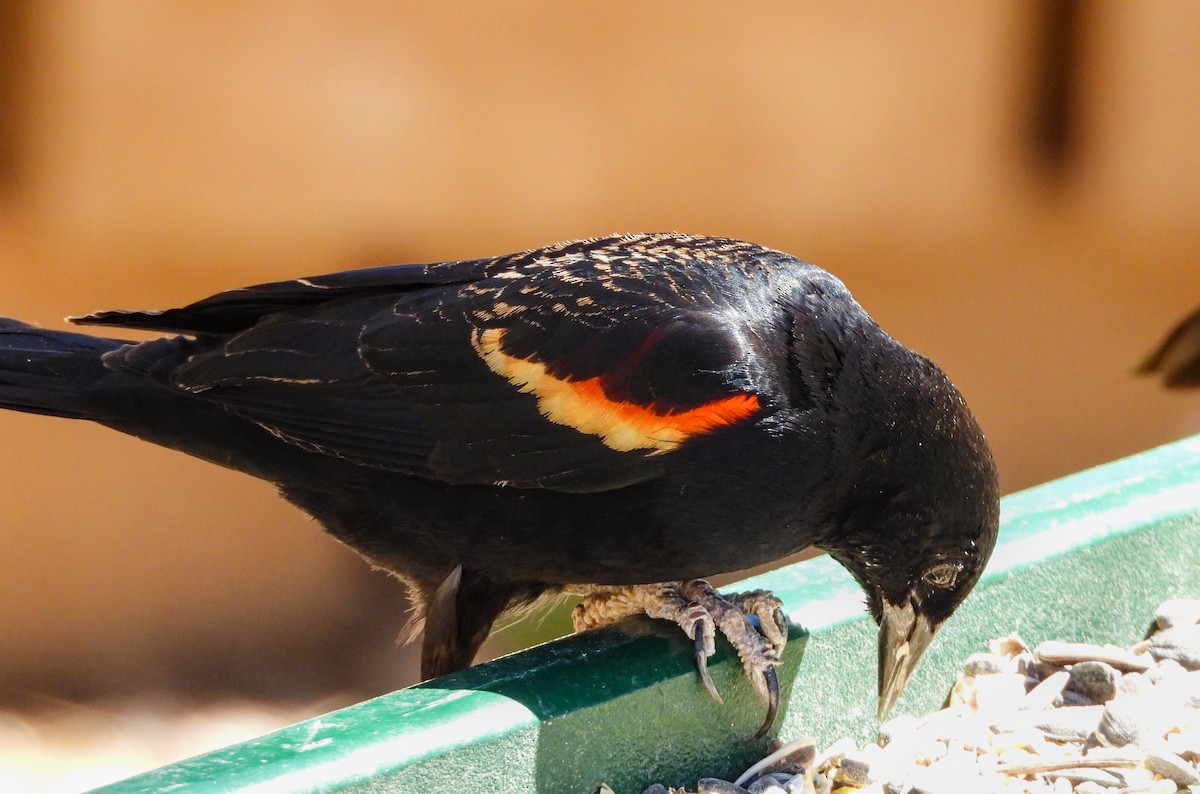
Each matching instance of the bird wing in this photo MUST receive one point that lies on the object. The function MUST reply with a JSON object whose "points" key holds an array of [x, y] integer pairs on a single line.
{"points": [[581, 367], [239, 309]]}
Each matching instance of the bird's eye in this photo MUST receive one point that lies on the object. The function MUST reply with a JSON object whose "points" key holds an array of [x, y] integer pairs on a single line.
{"points": [[942, 575]]}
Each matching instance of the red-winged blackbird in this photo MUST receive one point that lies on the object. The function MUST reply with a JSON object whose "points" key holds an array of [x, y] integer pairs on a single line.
{"points": [[614, 417]]}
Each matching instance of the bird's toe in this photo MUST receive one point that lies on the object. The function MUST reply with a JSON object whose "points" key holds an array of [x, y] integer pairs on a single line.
{"points": [[768, 609], [702, 612]]}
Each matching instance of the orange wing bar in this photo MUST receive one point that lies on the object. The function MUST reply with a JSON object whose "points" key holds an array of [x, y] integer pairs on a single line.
{"points": [[623, 426]]}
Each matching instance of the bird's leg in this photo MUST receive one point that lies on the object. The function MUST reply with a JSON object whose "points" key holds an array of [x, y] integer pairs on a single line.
{"points": [[701, 611], [605, 604], [459, 612]]}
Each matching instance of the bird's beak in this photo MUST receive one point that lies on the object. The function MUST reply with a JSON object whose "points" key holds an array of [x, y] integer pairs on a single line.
{"points": [[904, 634]]}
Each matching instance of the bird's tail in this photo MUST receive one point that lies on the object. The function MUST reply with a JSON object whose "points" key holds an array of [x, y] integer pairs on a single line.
{"points": [[49, 372], [116, 383]]}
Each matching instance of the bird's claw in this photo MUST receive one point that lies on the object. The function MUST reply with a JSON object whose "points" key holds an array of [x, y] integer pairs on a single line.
{"points": [[702, 612], [759, 648], [703, 642], [767, 680]]}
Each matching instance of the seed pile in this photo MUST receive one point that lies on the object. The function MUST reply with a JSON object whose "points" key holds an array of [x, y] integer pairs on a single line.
{"points": [[1060, 718]]}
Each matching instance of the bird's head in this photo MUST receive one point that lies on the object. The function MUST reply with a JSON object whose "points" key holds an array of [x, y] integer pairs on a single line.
{"points": [[918, 514]]}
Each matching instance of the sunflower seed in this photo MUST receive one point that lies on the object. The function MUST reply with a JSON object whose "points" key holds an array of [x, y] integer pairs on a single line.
{"points": [[1097, 681], [1125, 721], [1062, 653], [856, 770], [1079, 775], [1067, 717], [714, 785], [1172, 767], [1179, 643], [791, 758]]}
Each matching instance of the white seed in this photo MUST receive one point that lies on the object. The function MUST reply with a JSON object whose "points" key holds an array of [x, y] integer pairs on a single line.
{"points": [[1134, 684], [1093, 719], [998, 692], [1177, 612], [1013, 739], [799, 784], [1046, 691], [1166, 672], [1184, 743], [927, 752], [1163, 786], [1189, 688], [766, 785], [899, 729], [951, 774]]}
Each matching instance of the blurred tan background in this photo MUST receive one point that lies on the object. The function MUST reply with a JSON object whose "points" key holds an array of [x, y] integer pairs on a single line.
{"points": [[1012, 188]]}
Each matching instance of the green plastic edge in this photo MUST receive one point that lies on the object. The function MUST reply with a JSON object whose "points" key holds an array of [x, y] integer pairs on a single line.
{"points": [[1086, 557]]}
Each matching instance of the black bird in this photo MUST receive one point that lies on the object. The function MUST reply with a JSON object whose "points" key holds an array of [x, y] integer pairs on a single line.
{"points": [[614, 417], [1177, 358]]}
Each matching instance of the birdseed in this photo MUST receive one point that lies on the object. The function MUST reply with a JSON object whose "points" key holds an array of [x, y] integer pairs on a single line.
{"points": [[1064, 718]]}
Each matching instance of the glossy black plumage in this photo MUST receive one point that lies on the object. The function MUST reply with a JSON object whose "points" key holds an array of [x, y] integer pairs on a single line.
{"points": [[639, 409]]}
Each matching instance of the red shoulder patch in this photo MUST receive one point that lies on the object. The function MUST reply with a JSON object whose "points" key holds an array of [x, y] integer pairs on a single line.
{"points": [[583, 405]]}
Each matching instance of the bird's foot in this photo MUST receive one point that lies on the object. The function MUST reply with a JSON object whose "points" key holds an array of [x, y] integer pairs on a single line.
{"points": [[701, 612]]}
